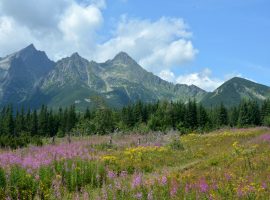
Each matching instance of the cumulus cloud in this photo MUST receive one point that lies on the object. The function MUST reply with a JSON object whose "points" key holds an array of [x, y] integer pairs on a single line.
{"points": [[201, 79], [167, 75], [79, 23], [61, 27], [13, 36], [156, 45], [35, 14]]}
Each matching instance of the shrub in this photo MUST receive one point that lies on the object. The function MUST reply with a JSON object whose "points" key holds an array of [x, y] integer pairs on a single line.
{"points": [[176, 144]]}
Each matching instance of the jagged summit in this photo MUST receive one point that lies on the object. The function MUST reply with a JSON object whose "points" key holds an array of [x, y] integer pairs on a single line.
{"points": [[123, 58], [75, 55], [122, 55], [30, 47]]}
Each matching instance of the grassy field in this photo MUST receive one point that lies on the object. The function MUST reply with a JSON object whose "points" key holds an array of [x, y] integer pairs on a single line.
{"points": [[226, 164]]}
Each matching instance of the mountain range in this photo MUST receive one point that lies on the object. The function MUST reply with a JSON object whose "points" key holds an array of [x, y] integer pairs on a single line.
{"points": [[29, 77]]}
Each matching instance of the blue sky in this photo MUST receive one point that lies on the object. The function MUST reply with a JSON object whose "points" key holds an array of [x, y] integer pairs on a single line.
{"points": [[201, 42]]}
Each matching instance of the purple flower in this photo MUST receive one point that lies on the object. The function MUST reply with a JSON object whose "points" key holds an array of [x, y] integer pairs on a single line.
{"points": [[264, 185], [203, 186], [174, 189], [137, 180], [240, 192], [139, 195], [164, 180], [111, 174], [265, 137], [228, 176]]}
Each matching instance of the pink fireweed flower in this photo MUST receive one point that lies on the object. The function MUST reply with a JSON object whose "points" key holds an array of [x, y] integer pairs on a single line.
{"points": [[139, 195], [214, 185], [137, 180], [35, 157], [264, 185], [164, 180], [228, 176], [174, 189], [240, 192], [265, 138], [203, 186], [111, 175]]}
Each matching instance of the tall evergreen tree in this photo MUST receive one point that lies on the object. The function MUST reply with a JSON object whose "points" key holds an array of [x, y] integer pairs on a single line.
{"points": [[202, 117], [243, 119], [191, 115], [222, 115]]}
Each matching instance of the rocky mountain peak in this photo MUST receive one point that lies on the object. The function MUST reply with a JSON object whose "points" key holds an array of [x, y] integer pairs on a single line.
{"points": [[30, 50], [75, 55], [123, 58]]}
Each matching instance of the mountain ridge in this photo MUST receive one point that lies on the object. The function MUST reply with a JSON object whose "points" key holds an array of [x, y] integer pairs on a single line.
{"points": [[236, 89], [28, 76]]}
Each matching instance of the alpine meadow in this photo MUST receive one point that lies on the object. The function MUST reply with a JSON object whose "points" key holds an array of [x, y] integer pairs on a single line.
{"points": [[134, 100]]}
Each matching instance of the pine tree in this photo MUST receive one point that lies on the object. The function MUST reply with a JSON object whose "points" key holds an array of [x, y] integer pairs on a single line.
{"points": [[234, 115], [243, 119], [9, 122], [43, 121], [191, 115], [87, 114], [222, 115], [33, 121], [254, 113], [202, 117], [72, 118]]}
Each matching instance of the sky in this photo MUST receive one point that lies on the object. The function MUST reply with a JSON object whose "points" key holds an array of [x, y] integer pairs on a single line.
{"points": [[200, 42]]}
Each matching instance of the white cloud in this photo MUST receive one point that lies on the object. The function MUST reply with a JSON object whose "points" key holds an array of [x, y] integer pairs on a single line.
{"points": [[79, 24], [167, 75], [58, 27], [156, 45], [201, 79], [35, 14], [13, 36], [61, 27]]}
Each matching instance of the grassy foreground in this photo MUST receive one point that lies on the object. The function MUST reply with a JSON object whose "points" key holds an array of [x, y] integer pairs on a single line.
{"points": [[227, 164]]}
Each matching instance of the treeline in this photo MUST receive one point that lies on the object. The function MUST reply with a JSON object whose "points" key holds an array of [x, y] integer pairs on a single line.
{"points": [[17, 129], [22, 127]]}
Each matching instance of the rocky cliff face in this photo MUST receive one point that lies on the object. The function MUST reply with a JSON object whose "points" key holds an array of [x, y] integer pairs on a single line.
{"points": [[21, 73]]}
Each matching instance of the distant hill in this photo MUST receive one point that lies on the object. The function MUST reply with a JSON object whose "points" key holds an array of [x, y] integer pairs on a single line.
{"points": [[234, 90]]}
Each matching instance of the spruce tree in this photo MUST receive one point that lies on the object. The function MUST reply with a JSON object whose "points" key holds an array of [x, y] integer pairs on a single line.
{"points": [[222, 115]]}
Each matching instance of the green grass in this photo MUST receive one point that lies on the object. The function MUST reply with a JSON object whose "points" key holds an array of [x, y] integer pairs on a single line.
{"points": [[226, 164]]}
